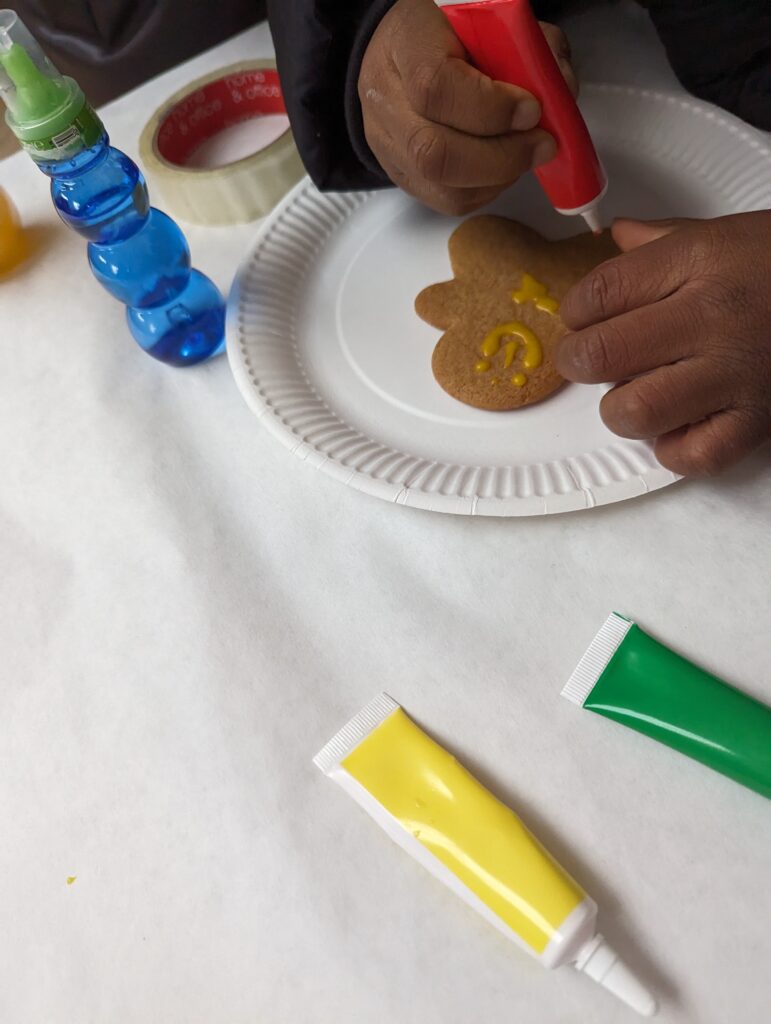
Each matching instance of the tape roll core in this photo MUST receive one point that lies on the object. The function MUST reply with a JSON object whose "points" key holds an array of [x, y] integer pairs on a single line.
{"points": [[235, 192]]}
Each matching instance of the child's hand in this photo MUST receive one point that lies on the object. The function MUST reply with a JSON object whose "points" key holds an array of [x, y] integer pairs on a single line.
{"points": [[441, 130], [683, 321]]}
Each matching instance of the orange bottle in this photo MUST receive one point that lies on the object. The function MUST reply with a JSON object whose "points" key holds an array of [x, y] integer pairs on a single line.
{"points": [[12, 249]]}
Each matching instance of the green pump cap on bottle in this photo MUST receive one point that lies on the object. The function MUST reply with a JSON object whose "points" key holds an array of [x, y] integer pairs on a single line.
{"points": [[46, 110]]}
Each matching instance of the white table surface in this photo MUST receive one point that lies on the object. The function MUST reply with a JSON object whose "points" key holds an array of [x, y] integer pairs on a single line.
{"points": [[188, 613]]}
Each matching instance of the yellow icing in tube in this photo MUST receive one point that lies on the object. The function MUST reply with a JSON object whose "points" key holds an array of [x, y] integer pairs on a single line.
{"points": [[465, 827]]}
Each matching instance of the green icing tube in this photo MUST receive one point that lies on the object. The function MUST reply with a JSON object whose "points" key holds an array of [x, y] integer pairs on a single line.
{"points": [[628, 676]]}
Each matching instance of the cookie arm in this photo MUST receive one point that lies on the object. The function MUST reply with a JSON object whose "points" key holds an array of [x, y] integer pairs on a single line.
{"points": [[440, 304]]}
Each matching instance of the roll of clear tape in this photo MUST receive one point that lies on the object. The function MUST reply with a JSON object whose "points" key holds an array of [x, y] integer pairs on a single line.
{"points": [[232, 193]]}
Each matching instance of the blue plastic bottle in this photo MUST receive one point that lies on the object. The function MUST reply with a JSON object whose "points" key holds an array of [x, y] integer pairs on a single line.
{"points": [[135, 251]]}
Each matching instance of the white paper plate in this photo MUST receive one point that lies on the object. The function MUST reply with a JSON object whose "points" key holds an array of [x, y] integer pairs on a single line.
{"points": [[327, 350]]}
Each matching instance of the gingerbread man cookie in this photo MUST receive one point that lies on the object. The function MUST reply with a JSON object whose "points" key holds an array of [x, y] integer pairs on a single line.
{"points": [[500, 313]]}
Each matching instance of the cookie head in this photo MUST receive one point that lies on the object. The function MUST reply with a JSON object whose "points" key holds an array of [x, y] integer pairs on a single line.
{"points": [[500, 312]]}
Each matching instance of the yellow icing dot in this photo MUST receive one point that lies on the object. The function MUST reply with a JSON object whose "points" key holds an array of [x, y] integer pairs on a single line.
{"points": [[519, 380], [534, 291], [482, 366]]}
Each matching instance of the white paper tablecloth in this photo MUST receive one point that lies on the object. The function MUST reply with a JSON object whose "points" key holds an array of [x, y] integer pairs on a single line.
{"points": [[188, 613]]}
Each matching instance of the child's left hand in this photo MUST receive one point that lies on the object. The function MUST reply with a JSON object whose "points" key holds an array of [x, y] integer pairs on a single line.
{"points": [[683, 321]]}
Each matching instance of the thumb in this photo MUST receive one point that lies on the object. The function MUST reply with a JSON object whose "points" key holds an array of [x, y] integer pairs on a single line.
{"points": [[631, 234]]}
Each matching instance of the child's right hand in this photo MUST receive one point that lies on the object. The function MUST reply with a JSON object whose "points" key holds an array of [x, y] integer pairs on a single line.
{"points": [[440, 129]]}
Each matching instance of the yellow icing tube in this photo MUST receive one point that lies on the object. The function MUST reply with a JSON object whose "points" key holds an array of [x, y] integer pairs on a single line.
{"points": [[451, 824]]}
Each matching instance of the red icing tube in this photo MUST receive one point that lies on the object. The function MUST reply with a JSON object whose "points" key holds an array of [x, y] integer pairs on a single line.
{"points": [[505, 42]]}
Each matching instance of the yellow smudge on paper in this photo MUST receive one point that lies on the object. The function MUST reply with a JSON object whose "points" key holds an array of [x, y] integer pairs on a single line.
{"points": [[71, 879]]}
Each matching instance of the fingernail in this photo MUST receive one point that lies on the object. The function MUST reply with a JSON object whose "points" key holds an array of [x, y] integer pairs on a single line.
{"points": [[526, 115], [545, 151]]}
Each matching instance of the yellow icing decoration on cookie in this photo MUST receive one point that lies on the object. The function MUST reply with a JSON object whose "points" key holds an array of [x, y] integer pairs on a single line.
{"points": [[534, 291], [482, 366], [519, 380], [508, 353], [533, 352]]}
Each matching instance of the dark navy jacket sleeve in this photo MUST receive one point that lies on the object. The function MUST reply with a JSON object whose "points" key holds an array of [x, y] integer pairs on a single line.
{"points": [[319, 48]]}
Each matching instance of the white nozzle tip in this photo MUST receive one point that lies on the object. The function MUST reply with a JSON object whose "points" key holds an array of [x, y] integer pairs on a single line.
{"points": [[603, 965], [592, 219]]}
